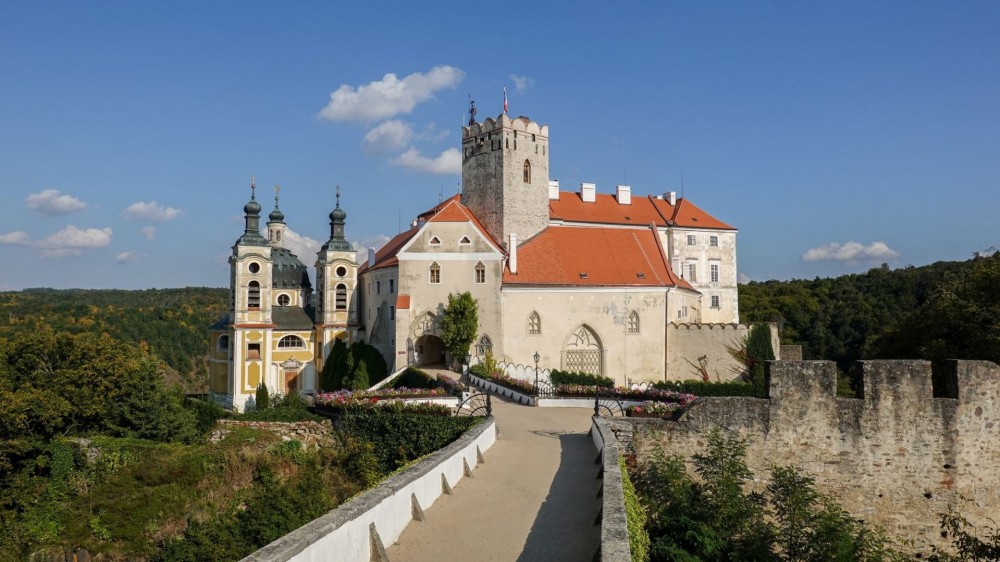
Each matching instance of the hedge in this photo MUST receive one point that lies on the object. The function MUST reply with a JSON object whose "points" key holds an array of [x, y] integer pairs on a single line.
{"points": [[638, 538], [415, 378], [701, 388], [586, 379]]}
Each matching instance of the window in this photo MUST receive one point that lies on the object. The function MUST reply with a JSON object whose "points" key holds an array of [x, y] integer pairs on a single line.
{"points": [[253, 295], [715, 301], [713, 241], [480, 273], [691, 240], [277, 235], [484, 346], [253, 352], [254, 267], [435, 241], [392, 313], [692, 272], [223, 343], [633, 322], [341, 271], [341, 297], [715, 272], [392, 286], [527, 170], [465, 241], [284, 300], [435, 272], [378, 287], [534, 324], [291, 342]]}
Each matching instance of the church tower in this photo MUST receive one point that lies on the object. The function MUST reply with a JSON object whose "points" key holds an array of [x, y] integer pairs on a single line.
{"points": [[505, 175], [250, 282], [336, 280]]}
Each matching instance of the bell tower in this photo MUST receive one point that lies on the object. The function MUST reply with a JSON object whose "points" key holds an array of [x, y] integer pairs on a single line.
{"points": [[336, 280], [505, 175]]}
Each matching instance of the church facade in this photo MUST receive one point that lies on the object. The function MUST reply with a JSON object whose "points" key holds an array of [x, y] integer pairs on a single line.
{"points": [[635, 288]]}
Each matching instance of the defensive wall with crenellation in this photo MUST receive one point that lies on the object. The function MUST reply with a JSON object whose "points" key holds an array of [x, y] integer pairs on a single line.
{"points": [[895, 455]]}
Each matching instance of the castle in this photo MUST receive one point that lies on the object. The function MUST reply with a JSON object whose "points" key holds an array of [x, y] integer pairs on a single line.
{"points": [[635, 288]]}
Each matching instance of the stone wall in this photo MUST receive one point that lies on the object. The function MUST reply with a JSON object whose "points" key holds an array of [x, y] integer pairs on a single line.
{"points": [[688, 344], [790, 352], [309, 433], [895, 456]]}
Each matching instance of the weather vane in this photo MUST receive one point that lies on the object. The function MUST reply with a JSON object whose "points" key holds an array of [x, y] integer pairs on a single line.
{"points": [[253, 188], [472, 111], [338, 195], [277, 189]]}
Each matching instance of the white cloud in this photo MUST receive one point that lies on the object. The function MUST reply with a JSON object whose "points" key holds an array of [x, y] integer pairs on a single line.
{"points": [[362, 246], [743, 278], [151, 211], [51, 202], [388, 135], [15, 237], [126, 257], [71, 241], [850, 251], [302, 246], [448, 162], [389, 96], [521, 83], [149, 232]]}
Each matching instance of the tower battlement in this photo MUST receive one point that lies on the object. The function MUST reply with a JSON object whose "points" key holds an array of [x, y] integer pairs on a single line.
{"points": [[491, 125]]}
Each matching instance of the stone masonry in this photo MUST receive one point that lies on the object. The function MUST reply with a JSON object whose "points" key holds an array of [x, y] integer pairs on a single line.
{"points": [[895, 456]]}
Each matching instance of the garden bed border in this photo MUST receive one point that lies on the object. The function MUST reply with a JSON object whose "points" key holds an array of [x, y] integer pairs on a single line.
{"points": [[358, 529]]}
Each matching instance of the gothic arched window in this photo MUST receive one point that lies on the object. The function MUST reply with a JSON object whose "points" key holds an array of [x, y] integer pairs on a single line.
{"points": [[341, 297], [633, 322], [484, 346], [253, 295], [534, 324], [527, 172], [291, 342], [480, 273], [435, 272]]}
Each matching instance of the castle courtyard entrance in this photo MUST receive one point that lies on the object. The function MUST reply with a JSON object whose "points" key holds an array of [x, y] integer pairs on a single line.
{"points": [[428, 350]]}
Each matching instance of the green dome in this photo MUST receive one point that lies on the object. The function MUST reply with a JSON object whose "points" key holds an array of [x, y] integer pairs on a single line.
{"points": [[276, 215], [252, 208], [338, 214]]}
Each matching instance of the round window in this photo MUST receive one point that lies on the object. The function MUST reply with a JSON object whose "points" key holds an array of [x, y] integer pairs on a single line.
{"points": [[254, 267], [284, 300], [341, 271]]}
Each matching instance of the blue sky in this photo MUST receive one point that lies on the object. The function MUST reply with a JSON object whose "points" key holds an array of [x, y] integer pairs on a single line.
{"points": [[129, 130]]}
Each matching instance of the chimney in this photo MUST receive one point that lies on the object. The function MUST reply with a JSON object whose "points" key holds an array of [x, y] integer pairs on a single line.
{"points": [[588, 192], [554, 190], [413, 223], [512, 253], [371, 257], [671, 197], [624, 194]]}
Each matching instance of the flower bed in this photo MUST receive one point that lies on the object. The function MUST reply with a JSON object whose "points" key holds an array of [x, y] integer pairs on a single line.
{"points": [[502, 379], [654, 409], [349, 406]]}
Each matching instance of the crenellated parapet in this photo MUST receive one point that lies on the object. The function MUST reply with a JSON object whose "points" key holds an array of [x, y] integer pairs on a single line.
{"points": [[491, 125], [893, 453]]}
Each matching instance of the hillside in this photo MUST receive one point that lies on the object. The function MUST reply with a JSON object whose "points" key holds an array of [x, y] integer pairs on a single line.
{"points": [[946, 310], [170, 323]]}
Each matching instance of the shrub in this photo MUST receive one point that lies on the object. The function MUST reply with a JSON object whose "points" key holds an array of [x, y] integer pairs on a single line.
{"points": [[263, 398], [356, 367], [700, 388], [287, 408], [638, 539], [415, 378], [585, 379], [206, 413], [759, 351]]}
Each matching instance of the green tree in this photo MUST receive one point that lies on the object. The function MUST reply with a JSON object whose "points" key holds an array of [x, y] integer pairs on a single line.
{"points": [[759, 352], [460, 323], [263, 397]]}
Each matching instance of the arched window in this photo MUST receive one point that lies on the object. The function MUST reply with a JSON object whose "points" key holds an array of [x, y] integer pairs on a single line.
{"points": [[277, 235], [534, 324], [527, 172], [480, 273], [484, 346], [633, 322], [341, 297], [223, 343], [291, 342], [435, 272], [253, 295]]}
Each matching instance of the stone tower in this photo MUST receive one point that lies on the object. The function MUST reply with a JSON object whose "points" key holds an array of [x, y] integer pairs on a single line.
{"points": [[505, 175], [336, 280]]}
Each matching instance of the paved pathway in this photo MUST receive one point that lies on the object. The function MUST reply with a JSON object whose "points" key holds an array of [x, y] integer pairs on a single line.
{"points": [[535, 497]]}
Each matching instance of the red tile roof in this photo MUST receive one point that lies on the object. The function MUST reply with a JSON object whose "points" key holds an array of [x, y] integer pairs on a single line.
{"points": [[403, 302], [592, 256], [386, 255], [605, 209], [454, 211]]}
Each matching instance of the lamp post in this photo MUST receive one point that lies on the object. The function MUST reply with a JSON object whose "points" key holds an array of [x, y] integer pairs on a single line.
{"points": [[468, 371], [536, 358]]}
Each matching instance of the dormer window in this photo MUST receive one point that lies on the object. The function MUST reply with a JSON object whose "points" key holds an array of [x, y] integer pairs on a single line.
{"points": [[465, 241], [435, 241]]}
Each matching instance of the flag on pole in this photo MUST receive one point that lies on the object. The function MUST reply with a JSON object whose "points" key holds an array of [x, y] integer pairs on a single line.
{"points": [[505, 99]]}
